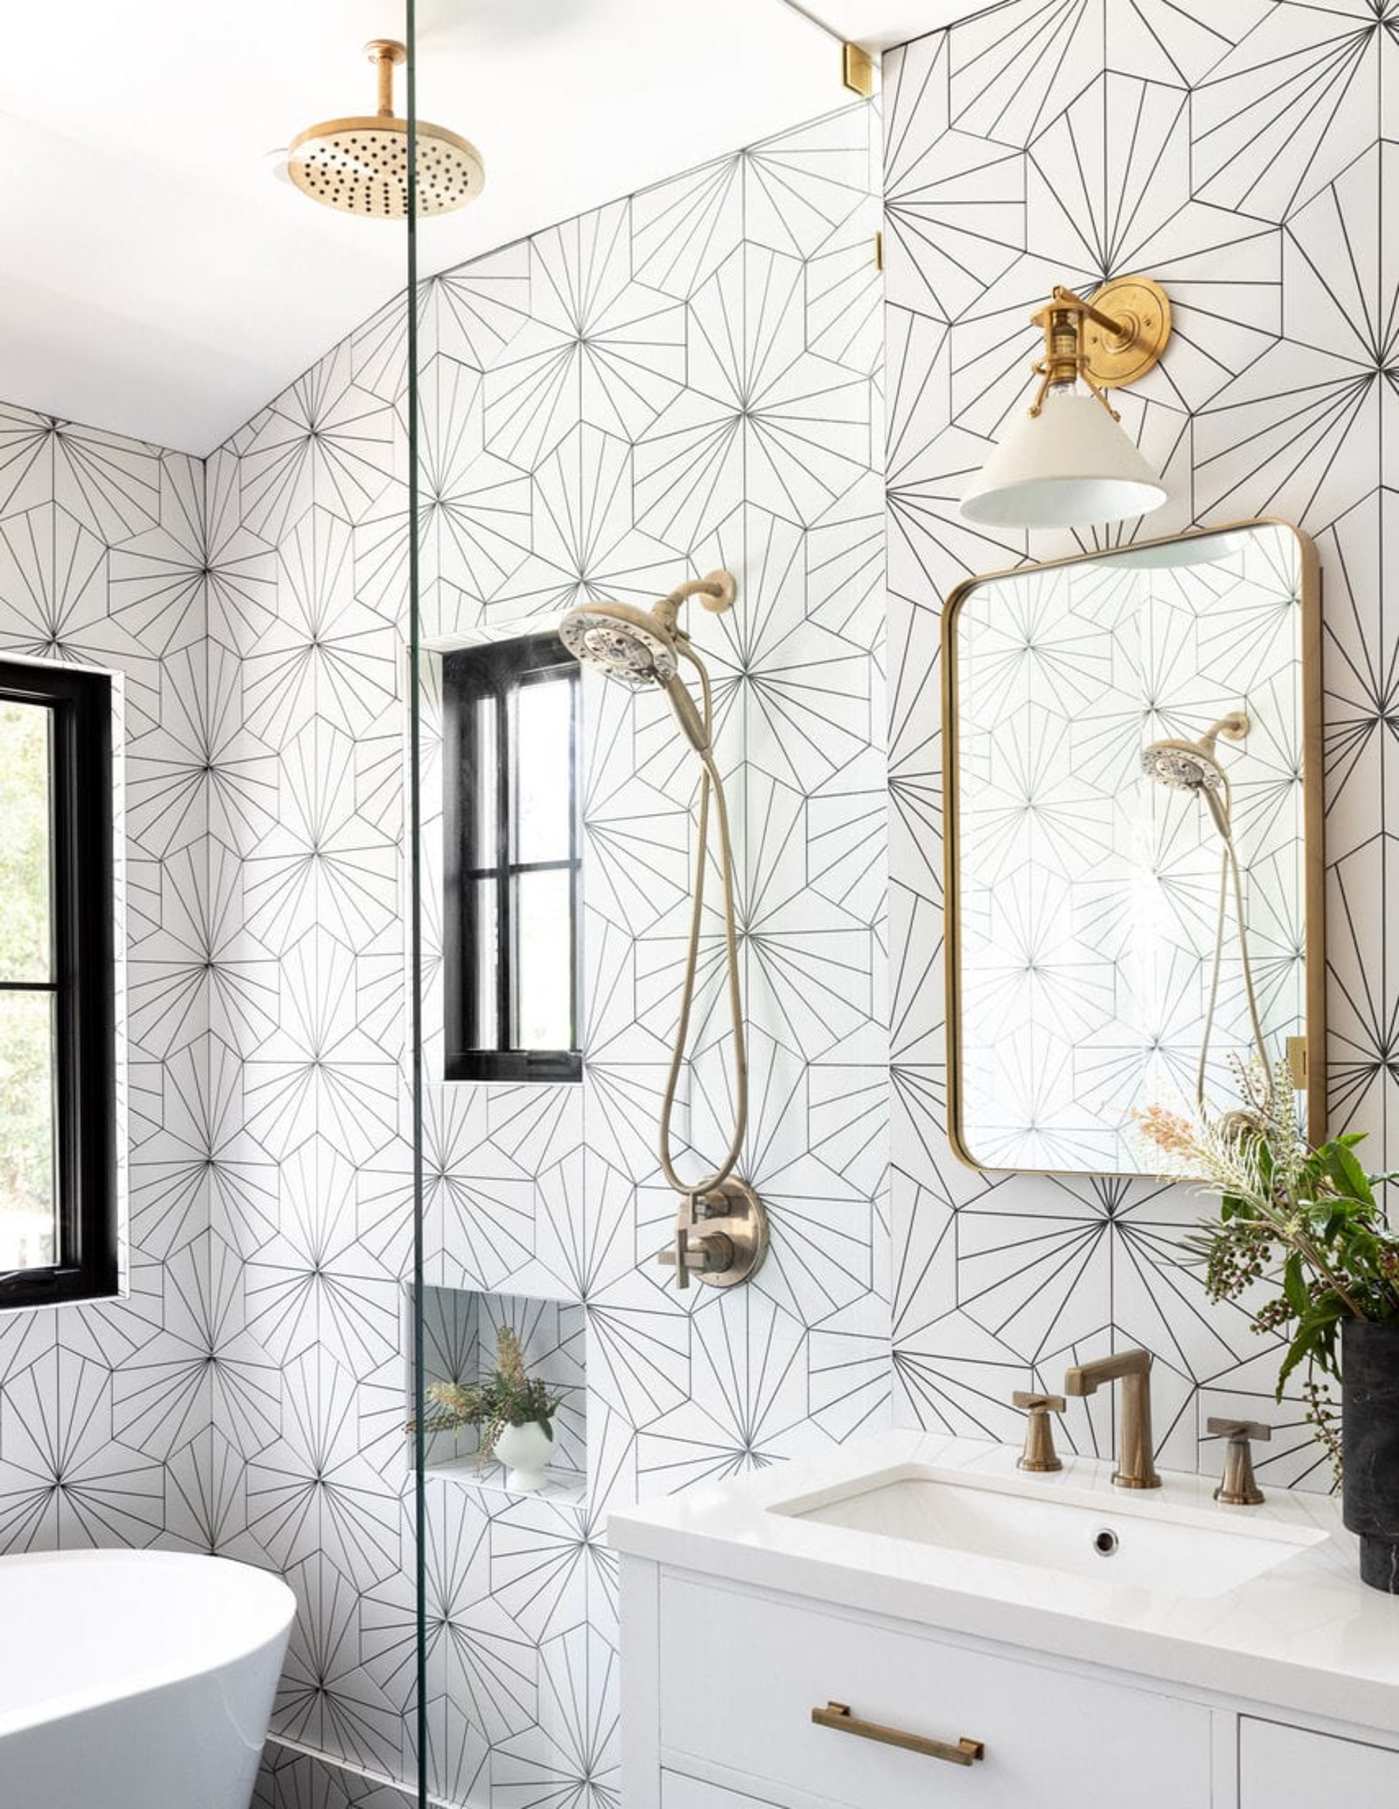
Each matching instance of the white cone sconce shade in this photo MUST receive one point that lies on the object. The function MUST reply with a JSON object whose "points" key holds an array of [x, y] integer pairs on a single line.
{"points": [[1069, 466], [1067, 462]]}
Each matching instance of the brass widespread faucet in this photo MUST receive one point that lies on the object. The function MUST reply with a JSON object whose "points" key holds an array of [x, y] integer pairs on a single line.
{"points": [[1135, 1469]]}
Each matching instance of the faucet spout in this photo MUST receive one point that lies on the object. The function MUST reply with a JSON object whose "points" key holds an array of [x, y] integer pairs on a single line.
{"points": [[1136, 1468]]}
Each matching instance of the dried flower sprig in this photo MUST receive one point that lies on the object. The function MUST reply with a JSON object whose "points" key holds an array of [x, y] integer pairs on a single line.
{"points": [[510, 1397], [1303, 1217]]}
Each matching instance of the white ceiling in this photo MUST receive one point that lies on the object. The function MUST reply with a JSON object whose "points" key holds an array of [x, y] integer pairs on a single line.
{"points": [[879, 23], [159, 280]]}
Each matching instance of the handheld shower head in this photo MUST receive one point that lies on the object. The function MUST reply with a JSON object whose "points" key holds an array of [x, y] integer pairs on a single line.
{"points": [[642, 647], [1194, 765], [633, 645], [721, 1225]]}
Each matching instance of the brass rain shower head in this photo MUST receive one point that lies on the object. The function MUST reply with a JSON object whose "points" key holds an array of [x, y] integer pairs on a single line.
{"points": [[359, 165]]}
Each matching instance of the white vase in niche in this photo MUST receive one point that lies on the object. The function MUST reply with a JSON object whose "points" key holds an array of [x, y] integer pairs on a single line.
{"points": [[525, 1451]]}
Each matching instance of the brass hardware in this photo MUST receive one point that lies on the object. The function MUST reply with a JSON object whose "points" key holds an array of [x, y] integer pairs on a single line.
{"points": [[1104, 351], [1039, 1453], [359, 164], [386, 54], [1135, 1466], [721, 1230], [721, 1237], [1313, 815], [879, 251], [857, 70], [837, 1716], [1238, 1487], [1297, 1063], [1125, 329]]}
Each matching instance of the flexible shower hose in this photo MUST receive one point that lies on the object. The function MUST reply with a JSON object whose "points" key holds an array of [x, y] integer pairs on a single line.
{"points": [[1223, 815], [709, 782]]}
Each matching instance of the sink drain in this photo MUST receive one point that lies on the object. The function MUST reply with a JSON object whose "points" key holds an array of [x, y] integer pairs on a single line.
{"points": [[1105, 1542]]}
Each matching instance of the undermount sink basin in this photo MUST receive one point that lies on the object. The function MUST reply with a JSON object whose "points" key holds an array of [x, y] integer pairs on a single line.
{"points": [[1185, 1551]]}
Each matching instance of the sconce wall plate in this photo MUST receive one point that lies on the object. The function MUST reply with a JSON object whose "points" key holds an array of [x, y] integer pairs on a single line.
{"points": [[1116, 360]]}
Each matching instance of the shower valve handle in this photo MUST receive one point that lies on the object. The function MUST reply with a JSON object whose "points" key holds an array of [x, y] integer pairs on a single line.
{"points": [[710, 1252], [707, 1253]]}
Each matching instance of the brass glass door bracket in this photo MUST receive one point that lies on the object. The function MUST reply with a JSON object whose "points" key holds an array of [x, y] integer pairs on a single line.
{"points": [[837, 1716], [721, 1237], [1109, 341]]}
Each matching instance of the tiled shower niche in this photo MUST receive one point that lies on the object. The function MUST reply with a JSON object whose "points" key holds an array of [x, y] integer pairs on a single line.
{"points": [[460, 1329]]}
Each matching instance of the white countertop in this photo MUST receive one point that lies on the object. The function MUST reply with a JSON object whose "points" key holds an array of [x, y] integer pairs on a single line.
{"points": [[1306, 1635]]}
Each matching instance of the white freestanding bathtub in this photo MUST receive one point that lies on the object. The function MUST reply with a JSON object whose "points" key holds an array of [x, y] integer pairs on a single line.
{"points": [[136, 1680]]}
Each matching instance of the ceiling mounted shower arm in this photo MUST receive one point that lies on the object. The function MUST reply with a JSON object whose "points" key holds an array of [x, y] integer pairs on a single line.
{"points": [[385, 54]]}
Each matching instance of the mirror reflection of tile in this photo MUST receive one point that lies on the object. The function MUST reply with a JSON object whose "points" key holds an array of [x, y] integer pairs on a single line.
{"points": [[1090, 893]]}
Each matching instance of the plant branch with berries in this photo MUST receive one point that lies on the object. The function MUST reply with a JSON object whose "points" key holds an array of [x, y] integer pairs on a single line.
{"points": [[1305, 1217]]}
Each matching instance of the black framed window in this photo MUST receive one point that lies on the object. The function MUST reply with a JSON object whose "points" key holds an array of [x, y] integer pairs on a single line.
{"points": [[58, 1230], [511, 917]]}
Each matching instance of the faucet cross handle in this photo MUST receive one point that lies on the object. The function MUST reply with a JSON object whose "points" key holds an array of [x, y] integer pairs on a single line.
{"points": [[1238, 1486], [1039, 1453]]}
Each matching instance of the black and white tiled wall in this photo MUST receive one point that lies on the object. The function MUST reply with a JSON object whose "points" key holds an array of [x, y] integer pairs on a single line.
{"points": [[686, 378], [1240, 155], [683, 379]]}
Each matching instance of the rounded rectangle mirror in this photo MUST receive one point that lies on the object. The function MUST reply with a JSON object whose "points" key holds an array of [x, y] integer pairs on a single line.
{"points": [[1135, 894]]}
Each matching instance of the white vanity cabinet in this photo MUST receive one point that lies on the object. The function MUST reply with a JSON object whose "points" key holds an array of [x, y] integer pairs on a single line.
{"points": [[1283, 1767], [720, 1680], [914, 1623]]}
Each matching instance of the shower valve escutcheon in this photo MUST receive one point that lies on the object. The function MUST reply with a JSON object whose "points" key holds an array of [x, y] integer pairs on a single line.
{"points": [[720, 1236]]}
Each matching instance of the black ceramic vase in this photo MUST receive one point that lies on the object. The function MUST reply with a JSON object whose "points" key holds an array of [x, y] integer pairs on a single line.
{"points": [[1370, 1441]]}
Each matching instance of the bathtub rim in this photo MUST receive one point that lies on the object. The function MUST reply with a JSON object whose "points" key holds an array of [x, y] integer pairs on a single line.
{"points": [[129, 1684]]}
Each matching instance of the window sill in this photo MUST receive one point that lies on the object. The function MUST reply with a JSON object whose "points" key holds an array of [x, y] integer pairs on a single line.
{"points": [[513, 1070]]}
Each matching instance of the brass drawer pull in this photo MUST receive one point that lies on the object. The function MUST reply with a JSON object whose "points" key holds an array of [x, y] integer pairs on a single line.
{"points": [[836, 1715]]}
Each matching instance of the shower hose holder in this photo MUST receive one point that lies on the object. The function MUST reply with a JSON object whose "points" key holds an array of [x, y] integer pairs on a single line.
{"points": [[721, 1236]]}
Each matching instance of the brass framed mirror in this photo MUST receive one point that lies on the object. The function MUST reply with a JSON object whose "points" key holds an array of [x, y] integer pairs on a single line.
{"points": [[1135, 894]]}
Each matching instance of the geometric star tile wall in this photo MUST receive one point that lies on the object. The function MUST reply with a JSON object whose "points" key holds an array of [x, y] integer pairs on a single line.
{"points": [[1240, 155], [684, 379], [106, 1411], [687, 378]]}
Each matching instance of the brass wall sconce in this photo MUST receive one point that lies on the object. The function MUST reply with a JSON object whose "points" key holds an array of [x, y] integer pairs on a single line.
{"points": [[1068, 463]]}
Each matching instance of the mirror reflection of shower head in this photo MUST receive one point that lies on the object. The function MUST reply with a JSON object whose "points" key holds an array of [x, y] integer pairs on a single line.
{"points": [[721, 1226], [1194, 765]]}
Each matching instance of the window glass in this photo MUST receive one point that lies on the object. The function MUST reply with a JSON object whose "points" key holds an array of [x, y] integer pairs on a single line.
{"points": [[28, 1165], [543, 960], [26, 807], [487, 932], [58, 1201], [542, 782], [510, 817], [485, 779]]}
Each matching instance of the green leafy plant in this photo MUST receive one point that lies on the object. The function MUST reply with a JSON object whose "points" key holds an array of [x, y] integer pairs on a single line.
{"points": [[1299, 1218], [509, 1397]]}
